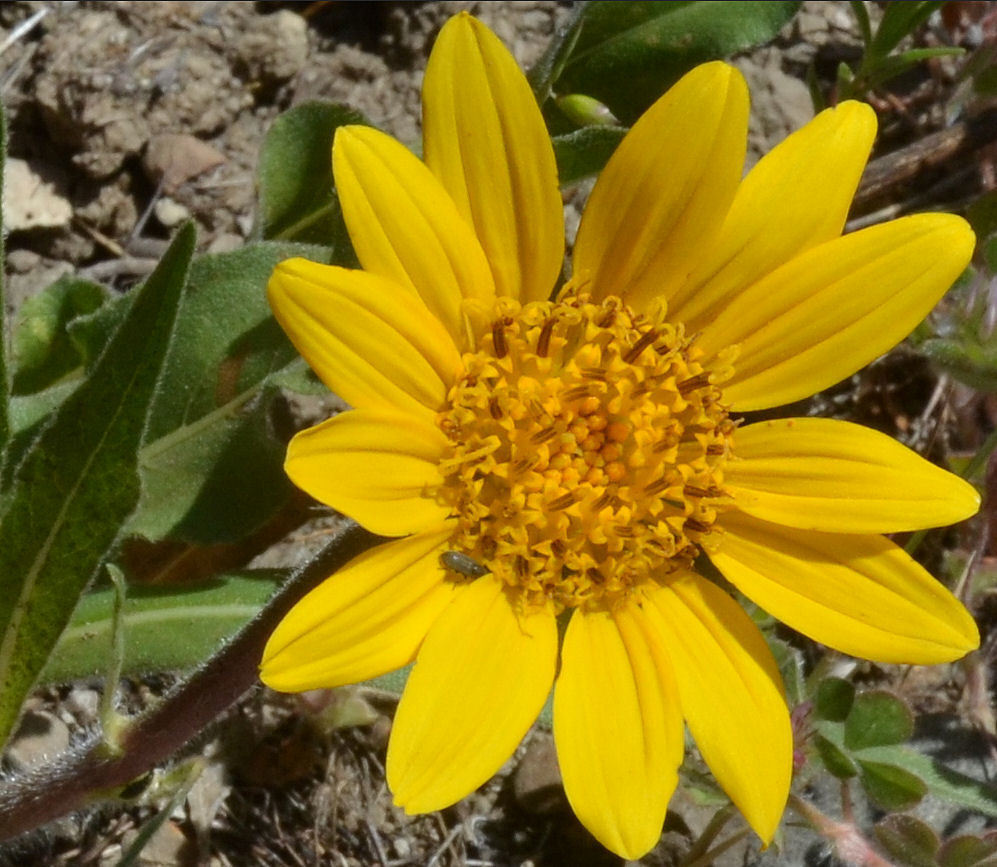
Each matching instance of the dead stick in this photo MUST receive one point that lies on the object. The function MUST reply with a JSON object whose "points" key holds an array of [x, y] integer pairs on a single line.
{"points": [[896, 169]]}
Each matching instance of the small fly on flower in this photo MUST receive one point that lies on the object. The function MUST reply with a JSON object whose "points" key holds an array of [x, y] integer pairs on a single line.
{"points": [[457, 561]]}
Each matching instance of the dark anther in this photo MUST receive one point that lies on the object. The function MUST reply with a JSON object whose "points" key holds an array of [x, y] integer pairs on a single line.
{"points": [[562, 502], [498, 338], [543, 341], [693, 491], [656, 487], [694, 382], [542, 436], [645, 340]]}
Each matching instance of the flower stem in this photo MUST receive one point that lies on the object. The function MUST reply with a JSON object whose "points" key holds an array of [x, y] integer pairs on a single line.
{"points": [[89, 772], [849, 842]]}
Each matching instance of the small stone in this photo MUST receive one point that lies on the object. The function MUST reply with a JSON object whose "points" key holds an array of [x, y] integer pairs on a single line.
{"points": [[277, 49], [170, 213], [83, 703], [226, 242], [23, 261], [174, 159], [29, 202], [41, 738], [206, 797], [536, 783]]}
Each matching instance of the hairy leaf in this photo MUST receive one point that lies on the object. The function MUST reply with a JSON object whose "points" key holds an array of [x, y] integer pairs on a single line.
{"points": [[297, 194], [585, 151], [628, 54], [877, 719], [44, 351], [212, 469], [153, 619], [79, 482]]}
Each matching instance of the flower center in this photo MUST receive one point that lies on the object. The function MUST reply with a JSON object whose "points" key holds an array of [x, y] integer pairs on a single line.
{"points": [[588, 446]]}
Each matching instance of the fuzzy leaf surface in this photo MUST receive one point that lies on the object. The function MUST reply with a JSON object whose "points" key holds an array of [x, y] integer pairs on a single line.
{"points": [[628, 54], [79, 482], [153, 619], [211, 466], [297, 195]]}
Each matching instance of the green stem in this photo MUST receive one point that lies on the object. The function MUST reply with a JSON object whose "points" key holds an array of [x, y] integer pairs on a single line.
{"points": [[75, 779], [694, 856], [710, 857]]}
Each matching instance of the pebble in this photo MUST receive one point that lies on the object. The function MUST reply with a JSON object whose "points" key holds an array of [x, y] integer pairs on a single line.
{"points": [[29, 201], [41, 738], [170, 213]]}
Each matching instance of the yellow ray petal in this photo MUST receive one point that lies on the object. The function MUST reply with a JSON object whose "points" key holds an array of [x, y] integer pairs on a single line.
{"points": [[837, 307], [378, 466], [859, 594], [795, 198], [481, 677], [486, 140], [371, 341], [731, 695], [367, 619], [659, 202], [820, 474], [618, 728], [404, 226]]}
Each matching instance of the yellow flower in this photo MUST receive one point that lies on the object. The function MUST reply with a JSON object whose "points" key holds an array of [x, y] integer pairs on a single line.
{"points": [[583, 451]]}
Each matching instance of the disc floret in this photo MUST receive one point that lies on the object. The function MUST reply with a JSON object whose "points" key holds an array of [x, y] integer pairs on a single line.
{"points": [[587, 449]]}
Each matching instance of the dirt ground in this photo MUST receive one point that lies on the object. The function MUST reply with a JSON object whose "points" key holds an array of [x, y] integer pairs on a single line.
{"points": [[126, 118]]}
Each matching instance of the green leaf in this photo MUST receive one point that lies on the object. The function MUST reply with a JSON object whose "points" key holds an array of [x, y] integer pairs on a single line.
{"points": [[834, 699], [297, 195], [44, 351], [79, 482], [891, 787], [836, 760], [943, 782], [862, 19], [628, 54], [899, 20], [877, 719], [393, 682], [546, 70], [897, 64], [967, 851], [585, 151], [909, 840], [27, 416], [165, 628], [91, 332], [212, 469]]}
